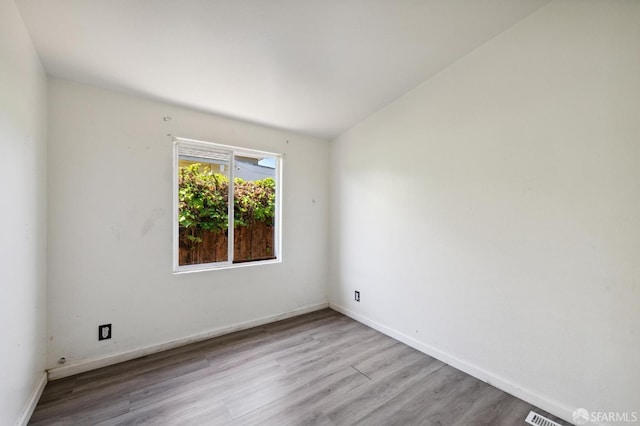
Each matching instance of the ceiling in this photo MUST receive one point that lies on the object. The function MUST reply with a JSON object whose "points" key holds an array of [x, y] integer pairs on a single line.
{"points": [[316, 67]]}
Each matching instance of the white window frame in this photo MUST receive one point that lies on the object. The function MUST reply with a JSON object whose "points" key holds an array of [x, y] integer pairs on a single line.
{"points": [[233, 152]]}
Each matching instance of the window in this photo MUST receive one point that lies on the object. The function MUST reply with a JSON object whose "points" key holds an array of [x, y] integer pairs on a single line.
{"points": [[226, 206]]}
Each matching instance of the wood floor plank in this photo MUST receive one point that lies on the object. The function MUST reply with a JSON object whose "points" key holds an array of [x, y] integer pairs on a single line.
{"points": [[320, 369], [302, 405], [90, 413], [387, 360], [485, 410], [57, 390], [361, 403], [425, 405], [218, 385], [303, 373], [197, 409]]}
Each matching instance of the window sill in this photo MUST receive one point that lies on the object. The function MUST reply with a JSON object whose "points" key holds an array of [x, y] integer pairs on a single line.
{"points": [[188, 269]]}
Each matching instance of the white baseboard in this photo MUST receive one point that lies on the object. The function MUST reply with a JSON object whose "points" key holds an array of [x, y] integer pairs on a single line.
{"points": [[94, 363], [24, 418], [501, 383]]}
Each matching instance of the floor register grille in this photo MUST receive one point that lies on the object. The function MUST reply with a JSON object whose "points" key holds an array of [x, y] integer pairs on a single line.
{"points": [[536, 419]]}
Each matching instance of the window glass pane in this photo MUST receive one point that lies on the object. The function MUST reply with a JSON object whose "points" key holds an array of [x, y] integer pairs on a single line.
{"points": [[226, 208], [254, 208], [203, 205]]}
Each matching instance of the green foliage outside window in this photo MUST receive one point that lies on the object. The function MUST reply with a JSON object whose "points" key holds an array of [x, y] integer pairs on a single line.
{"points": [[202, 197]]}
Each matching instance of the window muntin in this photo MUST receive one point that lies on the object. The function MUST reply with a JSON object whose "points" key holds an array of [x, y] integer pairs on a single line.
{"points": [[226, 206]]}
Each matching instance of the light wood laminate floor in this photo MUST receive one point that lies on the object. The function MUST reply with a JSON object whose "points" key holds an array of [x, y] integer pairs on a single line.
{"points": [[321, 368]]}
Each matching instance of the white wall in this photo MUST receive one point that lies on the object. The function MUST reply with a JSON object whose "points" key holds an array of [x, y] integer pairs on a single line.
{"points": [[23, 205], [110, 227], [491, 216]]}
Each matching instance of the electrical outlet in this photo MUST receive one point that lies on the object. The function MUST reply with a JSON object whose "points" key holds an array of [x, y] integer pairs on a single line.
{"points": [[104, 332], [357, 296]]}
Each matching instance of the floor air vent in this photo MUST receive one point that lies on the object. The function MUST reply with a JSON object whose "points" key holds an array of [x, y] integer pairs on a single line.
{"points": [[536, 419]]}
